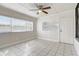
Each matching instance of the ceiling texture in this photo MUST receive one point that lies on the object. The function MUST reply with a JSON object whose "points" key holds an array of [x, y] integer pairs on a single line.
{"points": [[25, 8]]}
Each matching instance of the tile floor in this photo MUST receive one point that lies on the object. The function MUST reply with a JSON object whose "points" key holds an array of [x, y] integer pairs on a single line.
{"points": [[39, 47]]}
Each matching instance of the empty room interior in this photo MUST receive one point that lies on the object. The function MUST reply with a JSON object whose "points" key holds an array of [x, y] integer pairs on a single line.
{"points": [[39, 29]]}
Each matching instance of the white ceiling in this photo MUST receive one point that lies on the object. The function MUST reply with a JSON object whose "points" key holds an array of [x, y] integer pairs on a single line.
{"points": [[25, 7]]}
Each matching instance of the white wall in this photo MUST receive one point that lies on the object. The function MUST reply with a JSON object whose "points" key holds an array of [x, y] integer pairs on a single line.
{"points": [[48, 35], [64, 17], [11, 38]]}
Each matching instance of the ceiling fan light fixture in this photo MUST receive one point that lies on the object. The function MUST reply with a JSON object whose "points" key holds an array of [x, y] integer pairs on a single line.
{"points": [[39, 11], [41, 8]]}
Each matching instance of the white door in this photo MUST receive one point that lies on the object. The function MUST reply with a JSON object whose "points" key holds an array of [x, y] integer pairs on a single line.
{"points": [[66, 30]]}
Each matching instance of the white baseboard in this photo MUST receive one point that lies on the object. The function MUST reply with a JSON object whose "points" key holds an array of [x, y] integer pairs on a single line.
{"points": [[48, 39], [16, 42], [52, 40]]}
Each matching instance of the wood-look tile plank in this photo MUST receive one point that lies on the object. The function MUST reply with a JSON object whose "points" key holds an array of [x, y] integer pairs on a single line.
{"points": [[60, 50], [39, 47], [53, 50], [68, 50]]}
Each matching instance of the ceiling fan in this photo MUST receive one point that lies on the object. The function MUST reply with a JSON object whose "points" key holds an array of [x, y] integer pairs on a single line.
{"points": [[41, 8]]}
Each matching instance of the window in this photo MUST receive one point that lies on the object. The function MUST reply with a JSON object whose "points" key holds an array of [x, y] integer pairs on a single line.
{"points": [[5, 24], [8, 24], [18, 25], [29, 26]]}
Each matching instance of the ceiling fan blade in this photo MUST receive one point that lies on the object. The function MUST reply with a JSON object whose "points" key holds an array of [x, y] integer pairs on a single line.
{"points": [[45, 12], [47, 7]]}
